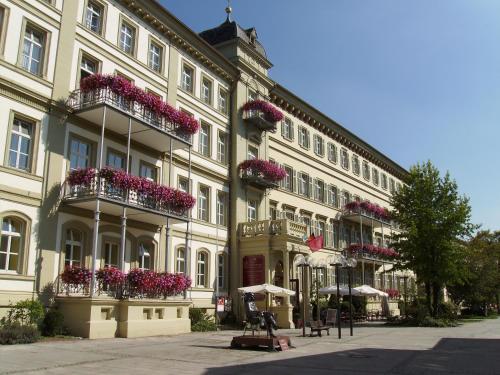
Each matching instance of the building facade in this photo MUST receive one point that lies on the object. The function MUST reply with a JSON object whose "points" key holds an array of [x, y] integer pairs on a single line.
{"points": [[239, 220]]}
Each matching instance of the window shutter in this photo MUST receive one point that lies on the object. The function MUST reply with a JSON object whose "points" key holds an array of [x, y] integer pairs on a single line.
{"points": [[294, 181], [299, 185], [292, 133], [296, 218], [283, 128], [311, 191], [282, 182]]}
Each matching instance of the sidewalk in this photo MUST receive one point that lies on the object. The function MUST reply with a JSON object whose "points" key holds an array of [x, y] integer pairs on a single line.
{"points": [[472, 348]]}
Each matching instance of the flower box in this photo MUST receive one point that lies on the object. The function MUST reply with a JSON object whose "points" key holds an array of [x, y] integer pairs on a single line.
{"points": [[368, 208], [262, 173], [372, 250], [262, 115]]}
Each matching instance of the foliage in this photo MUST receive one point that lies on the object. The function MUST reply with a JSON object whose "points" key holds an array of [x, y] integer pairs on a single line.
{"points": [[24, 313], [481, 284], [53, 323], [15, 333], [201, 321], [264, 169], [127, 90], [433, 220], [270, 112]]}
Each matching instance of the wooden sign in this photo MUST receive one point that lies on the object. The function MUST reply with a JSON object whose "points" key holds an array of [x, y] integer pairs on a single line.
{"points": [[283, 344]]}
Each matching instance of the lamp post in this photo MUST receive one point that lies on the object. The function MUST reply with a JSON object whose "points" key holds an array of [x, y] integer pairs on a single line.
{"points": [[350, 264], [303, 262], [337, 261]]}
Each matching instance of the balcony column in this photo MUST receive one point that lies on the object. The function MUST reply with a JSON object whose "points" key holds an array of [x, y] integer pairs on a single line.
{"points": [[97, 212], [286, 274], [123, 240]]}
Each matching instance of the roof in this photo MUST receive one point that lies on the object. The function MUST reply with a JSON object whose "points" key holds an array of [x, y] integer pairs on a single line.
{"points": [[230, 30]]}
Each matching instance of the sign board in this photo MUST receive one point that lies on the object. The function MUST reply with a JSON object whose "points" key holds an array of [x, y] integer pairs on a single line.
{"points": [[254, 270], [283, 344], [220, 304]]}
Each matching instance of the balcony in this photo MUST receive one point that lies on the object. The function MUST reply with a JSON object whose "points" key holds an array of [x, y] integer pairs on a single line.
{"points": [[153, 122], [367, 213], [142, 205], [372, 252], [257, 120], [284, 228], [261, 174], [261, 115]]}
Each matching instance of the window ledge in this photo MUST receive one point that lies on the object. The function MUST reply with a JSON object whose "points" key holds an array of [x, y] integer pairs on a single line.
{"points": [[20, 173], [4, 275]]}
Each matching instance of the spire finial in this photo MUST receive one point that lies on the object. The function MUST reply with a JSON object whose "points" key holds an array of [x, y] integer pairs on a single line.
{"points": [[229, 10]]}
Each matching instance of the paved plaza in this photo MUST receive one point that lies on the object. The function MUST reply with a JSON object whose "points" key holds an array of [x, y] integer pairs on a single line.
{"points": [[473, 348]]}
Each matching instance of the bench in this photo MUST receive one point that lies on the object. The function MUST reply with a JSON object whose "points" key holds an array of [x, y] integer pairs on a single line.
{"points": [[317, 326]]}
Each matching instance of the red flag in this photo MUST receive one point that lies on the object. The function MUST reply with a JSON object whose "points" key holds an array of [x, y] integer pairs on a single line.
{"points": [[315, 243]]}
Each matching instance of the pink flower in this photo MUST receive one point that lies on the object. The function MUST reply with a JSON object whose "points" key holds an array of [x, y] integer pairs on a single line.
{"points": [[264, 169], [76, 276], [271, 113], [81, 177]]}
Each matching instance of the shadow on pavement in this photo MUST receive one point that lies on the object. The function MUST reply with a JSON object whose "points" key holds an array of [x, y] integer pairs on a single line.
{"points": [[449, 355]]}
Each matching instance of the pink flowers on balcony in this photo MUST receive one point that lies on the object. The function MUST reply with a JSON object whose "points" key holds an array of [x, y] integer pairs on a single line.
{"points": [[164, 196], [393, 293], [110, 276], [376, 210], [270, 112], [76, 276], [127, 90], [373, 250], [263, 169]]}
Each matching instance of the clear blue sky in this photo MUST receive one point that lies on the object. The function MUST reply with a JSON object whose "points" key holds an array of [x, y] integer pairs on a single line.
{"points": [[416, 79]]}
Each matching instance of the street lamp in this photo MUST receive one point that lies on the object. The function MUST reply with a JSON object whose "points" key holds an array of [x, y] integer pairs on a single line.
{"points": [[303, 262], [350, 263], [337, 260]]}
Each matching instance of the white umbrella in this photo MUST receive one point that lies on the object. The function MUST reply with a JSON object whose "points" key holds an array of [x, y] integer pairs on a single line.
{"points": [[267, 288], [343, 290], [366, 290]]}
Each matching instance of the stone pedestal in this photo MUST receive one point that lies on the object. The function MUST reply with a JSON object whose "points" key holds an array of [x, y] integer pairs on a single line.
{"points": [[284, 315]]}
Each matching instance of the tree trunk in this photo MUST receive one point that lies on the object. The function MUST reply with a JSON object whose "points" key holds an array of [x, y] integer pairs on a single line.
{"points": [[436, 290], [428, 297]]}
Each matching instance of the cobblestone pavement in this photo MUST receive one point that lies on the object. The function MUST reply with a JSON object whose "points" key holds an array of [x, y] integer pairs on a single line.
{"points": [[473, 348]]}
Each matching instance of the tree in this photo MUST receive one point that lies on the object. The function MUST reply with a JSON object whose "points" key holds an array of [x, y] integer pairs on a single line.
{"points": [[481, 284], [434, 220]]}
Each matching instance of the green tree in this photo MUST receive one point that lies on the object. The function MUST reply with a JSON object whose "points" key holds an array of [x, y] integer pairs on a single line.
{"points": [[481, 283], [434, 220]]}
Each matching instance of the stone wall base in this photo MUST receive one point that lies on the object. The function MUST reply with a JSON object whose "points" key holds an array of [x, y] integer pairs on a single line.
{"points": [[97, 318]]}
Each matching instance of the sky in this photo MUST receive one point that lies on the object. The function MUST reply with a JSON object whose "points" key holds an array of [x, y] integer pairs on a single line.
{"points": [[418, 80]]}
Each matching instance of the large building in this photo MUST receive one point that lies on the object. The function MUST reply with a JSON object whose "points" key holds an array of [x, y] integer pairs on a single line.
{"points": [[245, 226]]}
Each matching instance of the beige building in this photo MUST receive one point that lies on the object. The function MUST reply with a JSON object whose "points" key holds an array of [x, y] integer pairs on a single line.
{"points": [[241, 229]]}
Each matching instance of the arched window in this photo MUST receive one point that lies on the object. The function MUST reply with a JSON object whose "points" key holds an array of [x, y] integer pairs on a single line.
{"points": [[74, 246], [180, 260], [145, 255], [11, 244], [201, 269]]}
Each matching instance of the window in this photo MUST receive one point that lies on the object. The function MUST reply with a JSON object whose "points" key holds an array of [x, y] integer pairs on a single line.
{"points": [[94, 17], [332, 153], [319, 190], [288, 180], [344, 158], [74, 246], [204, 140], [289, 213], [201, 269], [345, 198], [144, 256], [221, 147], [148, 171], [355, 165], [253, 152], [366, 170], [334, 196], [127, 38], [21, 143], [111, 254], [273, 212], [183, 184], [11, 244], [287, 129], [221, 266], [304, 184], [33, 50], [392, 185], [88, 66], [223, 101], [115, 160], [375, 176], [155, 56], [252, 210], [79, 154], [321, 228], [206, 91], [187, 78], [319, 145], [384, 181], [303, 137], [252, 95], [222, 208], [203, 203], [180, 260]]}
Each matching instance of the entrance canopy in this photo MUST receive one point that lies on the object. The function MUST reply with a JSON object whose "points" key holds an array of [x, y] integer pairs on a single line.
{"points": [[366, 290], [343, 290], [267, 288]]}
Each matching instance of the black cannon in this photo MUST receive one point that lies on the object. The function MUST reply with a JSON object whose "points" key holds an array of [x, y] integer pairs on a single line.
{"points": [[257, 320]]}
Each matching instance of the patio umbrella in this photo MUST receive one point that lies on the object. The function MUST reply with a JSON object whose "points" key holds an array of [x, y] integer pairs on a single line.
{"points": [[267, 289], [343, 290], [367, 290]]}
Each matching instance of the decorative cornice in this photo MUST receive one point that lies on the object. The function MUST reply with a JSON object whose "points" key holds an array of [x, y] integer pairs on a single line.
{"points": [[334, 130]]}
